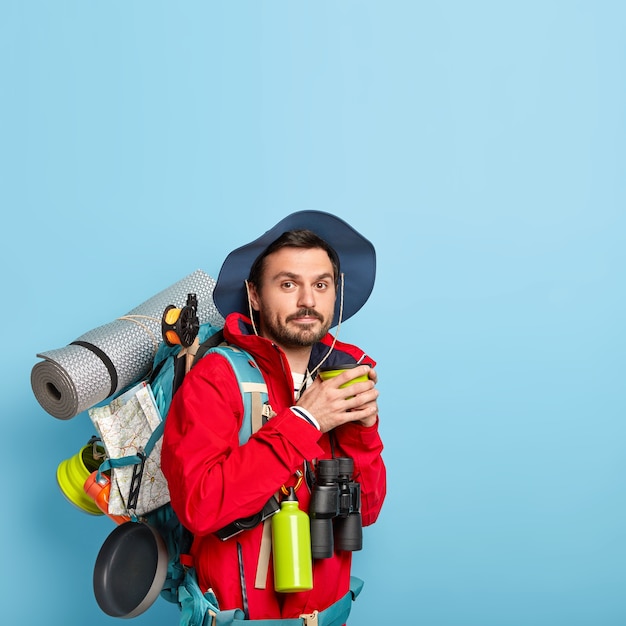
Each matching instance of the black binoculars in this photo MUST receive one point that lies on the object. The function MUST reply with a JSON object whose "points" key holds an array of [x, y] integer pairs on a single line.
{"points": [[335, 509]]}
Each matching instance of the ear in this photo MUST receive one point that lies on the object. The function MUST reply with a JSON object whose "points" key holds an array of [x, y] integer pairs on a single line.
{"points": [[253, 296]]}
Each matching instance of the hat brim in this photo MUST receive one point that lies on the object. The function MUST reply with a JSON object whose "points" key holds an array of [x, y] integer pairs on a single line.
{"points": [[357, 259]]}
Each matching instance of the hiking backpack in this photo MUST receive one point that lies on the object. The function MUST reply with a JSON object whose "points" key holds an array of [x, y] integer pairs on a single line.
{"points": [[170, 365]]}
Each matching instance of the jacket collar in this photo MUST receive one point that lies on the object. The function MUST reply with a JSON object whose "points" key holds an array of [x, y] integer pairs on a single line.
{"points": [[270, 357]]}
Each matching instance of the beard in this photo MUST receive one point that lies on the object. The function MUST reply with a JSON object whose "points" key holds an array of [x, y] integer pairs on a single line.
{"points": [[302, 336]]}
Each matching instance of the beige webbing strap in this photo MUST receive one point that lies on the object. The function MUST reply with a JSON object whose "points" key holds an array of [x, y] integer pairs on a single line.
{"points": [[189, 354], [264, 555], [255, 390], [257, 412]]}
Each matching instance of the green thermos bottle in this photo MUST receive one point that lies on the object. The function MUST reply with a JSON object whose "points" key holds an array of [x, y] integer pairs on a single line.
{"points": [[291, 547]]}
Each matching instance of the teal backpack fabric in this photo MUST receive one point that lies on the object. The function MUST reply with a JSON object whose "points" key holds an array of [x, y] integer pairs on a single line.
{"points": [[168, 372]]}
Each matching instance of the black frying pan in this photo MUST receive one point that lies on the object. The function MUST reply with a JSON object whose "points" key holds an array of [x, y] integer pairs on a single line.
{"points": [[130, 570]]}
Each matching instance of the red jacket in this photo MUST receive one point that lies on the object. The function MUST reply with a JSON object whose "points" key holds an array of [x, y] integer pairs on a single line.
{"points": [[214, 481]]}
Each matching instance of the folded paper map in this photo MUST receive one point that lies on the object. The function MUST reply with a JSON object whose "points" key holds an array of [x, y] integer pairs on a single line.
{"points": [[125, 425]]}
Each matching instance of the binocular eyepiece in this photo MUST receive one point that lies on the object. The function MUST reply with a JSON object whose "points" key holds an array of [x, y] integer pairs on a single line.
{"points": [[335, 509]]}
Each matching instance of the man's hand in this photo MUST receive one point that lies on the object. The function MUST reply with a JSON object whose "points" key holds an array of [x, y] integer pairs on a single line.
{"points": [[332, 406]]}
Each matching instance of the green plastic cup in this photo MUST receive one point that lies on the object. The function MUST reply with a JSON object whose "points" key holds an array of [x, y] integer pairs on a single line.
{"points": [[334, 370]]}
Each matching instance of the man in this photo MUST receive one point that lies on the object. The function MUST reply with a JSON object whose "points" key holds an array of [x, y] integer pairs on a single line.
{"points": [[280, 295]]}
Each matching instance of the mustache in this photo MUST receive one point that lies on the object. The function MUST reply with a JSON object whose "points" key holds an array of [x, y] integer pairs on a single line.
{"points": [[305, 313]]}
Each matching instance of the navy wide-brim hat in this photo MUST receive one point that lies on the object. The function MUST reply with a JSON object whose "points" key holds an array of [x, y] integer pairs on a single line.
{"points": [[357, 261]]}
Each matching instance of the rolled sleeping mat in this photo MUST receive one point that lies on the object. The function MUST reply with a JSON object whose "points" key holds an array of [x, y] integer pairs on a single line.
{"points": [[109, 358]]}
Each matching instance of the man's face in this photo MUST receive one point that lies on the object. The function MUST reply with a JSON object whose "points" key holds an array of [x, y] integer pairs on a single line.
{"points": [[296, 299]]}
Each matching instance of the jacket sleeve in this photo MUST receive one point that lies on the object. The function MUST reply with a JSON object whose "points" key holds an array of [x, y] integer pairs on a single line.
{"points": [[212, 479], [364, 446]]}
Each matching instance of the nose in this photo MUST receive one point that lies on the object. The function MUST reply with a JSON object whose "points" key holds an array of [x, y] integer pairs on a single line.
{"points": [[306, 297]]}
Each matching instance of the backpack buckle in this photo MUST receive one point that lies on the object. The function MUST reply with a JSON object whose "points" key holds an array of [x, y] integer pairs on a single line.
{"points": [[310, 619]]}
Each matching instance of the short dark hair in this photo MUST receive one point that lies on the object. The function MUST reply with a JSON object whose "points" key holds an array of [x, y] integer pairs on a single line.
{"points": [[304, 239]]}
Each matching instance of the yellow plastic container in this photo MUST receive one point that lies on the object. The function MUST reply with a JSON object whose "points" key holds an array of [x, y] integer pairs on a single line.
{"points": [[73, 472]]}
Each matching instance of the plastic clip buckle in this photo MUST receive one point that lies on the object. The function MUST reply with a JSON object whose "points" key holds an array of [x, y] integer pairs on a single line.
{"points": [[310, 619], [213, 616]]}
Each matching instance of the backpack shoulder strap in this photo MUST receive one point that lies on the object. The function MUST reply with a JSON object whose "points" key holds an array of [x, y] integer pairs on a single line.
{"points": [[211, 342], [251, 384]]}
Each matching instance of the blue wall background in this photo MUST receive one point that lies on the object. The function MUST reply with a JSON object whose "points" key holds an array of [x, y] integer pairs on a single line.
{"points": [[480, 146]]}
